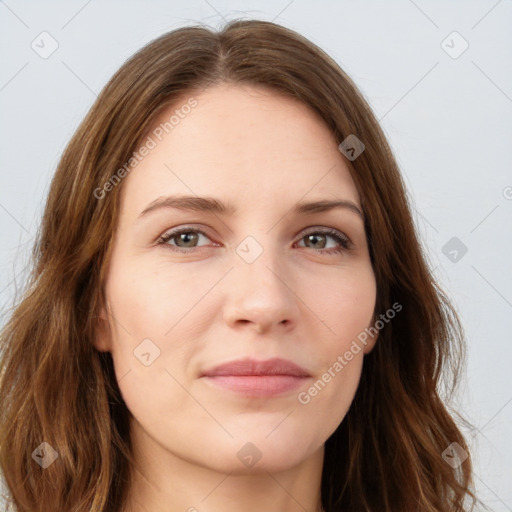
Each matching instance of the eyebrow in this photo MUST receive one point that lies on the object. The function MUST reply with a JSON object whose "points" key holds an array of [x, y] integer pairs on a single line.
{"points": [[212, 205]]}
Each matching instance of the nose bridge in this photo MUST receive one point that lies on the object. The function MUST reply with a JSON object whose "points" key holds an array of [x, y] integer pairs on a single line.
{"points": [[261, 258], [262, 291]]}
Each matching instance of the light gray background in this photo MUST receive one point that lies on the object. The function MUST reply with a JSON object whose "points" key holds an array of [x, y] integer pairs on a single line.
{"points": [[449, 121]]}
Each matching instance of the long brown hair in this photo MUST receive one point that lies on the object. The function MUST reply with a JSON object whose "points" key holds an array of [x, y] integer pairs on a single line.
{"points": [[385, 456]]}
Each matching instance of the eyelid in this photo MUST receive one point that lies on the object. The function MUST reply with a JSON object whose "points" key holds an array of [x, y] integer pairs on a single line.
{"points": [[324, 229], [172, 232]]}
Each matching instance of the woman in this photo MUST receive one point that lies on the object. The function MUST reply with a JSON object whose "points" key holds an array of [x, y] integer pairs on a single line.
{"points": [[230, 307]]}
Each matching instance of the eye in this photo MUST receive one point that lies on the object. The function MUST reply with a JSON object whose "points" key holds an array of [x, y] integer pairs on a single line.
{"points": [[319, 238], [186, 240]]}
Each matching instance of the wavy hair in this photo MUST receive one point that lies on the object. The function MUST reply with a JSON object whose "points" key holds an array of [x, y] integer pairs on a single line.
{"points": [[385, 456]]}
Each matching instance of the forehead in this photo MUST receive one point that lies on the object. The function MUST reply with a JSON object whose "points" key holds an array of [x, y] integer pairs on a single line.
{"points": [[249, 145]]}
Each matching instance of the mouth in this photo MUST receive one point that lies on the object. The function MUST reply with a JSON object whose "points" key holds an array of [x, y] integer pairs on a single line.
{"points": [[257, 378], [257, 385]]}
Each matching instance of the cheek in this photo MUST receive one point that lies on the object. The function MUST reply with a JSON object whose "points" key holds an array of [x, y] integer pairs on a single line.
{"points": [[345, 306], [331, 396], [150, 300], [156, 313], [344, 302], [148, 367]]}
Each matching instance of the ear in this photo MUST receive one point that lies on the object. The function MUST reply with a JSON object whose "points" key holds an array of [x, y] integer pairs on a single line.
{"points": [[370, 343], [102, 338]]}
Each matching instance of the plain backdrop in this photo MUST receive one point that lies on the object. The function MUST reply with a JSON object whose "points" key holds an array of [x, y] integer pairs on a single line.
{"points": [[437, 74]]}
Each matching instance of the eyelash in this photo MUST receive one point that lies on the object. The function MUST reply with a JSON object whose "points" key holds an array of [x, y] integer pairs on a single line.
{"points": [[345, 243]]}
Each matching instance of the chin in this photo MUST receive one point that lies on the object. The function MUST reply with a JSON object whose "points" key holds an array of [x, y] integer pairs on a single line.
{"points": [[256, 454], [263, 466]]}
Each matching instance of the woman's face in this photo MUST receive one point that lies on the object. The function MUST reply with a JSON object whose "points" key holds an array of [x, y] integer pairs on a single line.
{"points": [[260, 280]]}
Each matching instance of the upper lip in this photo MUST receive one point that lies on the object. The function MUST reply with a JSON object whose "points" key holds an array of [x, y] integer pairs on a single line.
{"points": [[248, 366]]}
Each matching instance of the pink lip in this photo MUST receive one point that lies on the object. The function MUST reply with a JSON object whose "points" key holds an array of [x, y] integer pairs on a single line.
{"points": [[257, 378]]}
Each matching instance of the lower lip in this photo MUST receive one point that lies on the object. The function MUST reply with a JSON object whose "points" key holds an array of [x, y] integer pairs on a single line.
{"points": [[257, 385]]}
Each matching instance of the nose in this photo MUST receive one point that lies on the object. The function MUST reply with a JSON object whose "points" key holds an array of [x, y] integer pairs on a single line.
{"points": [[261, 295]]}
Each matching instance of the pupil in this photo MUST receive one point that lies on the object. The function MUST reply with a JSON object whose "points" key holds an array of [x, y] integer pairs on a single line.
{"points": [[315, 238], [188, 237]]}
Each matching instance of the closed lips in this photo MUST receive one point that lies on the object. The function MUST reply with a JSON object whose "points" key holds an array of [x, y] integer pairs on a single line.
{"points": [[252, 378], [252, 367]]}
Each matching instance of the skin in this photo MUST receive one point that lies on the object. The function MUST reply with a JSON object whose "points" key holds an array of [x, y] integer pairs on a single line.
{"points": [[262, 152]]}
